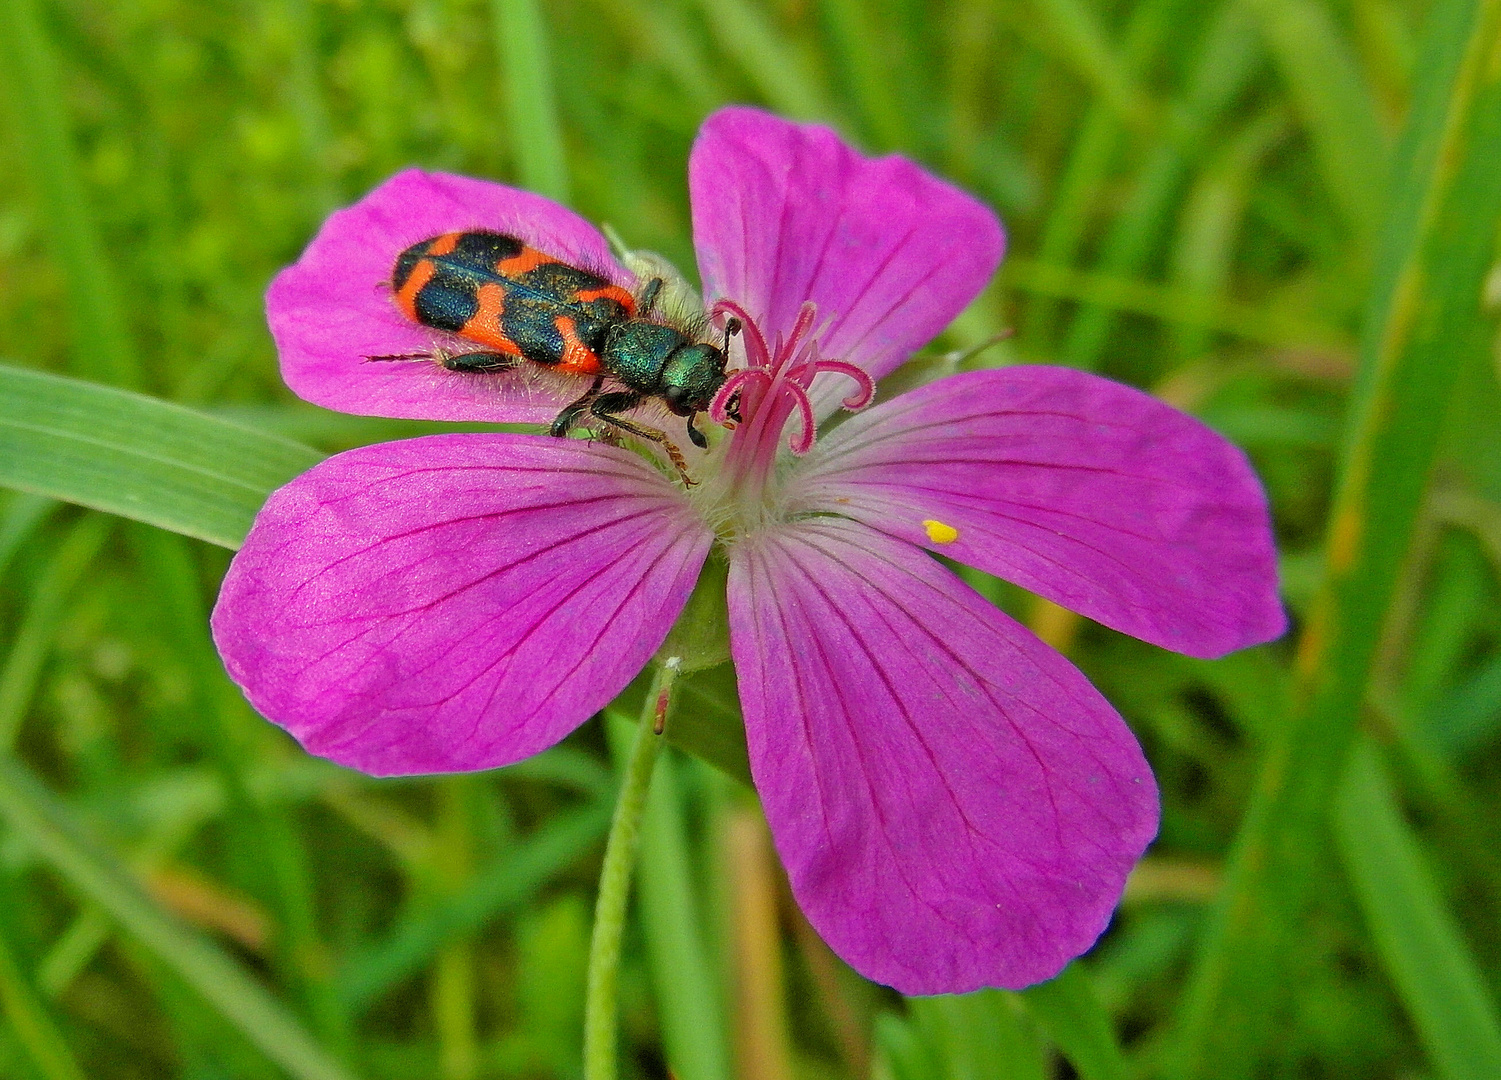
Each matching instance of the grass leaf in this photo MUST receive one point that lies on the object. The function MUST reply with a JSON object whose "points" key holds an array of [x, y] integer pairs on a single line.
{"points": [[536, 132], [1336, 106], [29, 1017], [512, 880], [1424, 323], [102, 344], [1069, 1012], [1417, 937], [33, 641], [139, 457], [49, 828]]}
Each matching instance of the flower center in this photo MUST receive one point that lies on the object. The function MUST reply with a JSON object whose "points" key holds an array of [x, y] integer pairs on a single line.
{"points": [[759, 399]]}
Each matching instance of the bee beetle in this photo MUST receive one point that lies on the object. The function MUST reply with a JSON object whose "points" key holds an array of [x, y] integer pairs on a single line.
{"points": [[523, 306]]}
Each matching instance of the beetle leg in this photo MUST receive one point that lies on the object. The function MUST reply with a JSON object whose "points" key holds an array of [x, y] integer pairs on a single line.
{"points": [[607, 406], [696, 435], [565, 420], [477, 363]]}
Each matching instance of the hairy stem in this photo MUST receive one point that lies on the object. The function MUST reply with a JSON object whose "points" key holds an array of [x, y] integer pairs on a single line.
{"points": [[601, 1012]]}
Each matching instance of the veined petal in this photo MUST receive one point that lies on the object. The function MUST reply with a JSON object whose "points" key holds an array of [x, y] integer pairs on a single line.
{"points": [[955, 804], [333, 307], [785, 213], [455, 602], [1093, 494]]}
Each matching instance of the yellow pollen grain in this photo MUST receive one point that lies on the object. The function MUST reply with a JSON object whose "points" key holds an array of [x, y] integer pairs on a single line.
{"points": [[940, 533]]}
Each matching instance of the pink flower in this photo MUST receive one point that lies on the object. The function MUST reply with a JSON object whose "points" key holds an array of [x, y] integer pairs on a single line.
{"points": [[955, 804]]}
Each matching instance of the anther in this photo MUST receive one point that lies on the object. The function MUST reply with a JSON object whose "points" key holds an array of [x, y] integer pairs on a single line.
{"points": [[940, 533]]}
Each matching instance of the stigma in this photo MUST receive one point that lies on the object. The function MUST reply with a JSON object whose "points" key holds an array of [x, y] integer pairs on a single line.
{"points": [[773, 385]]}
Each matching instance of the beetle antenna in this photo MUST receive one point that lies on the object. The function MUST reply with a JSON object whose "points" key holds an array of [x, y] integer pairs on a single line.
{"points": [[731, 329]]}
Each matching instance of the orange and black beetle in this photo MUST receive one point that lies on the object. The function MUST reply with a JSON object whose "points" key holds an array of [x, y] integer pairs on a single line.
{"points": [[525, 306]]}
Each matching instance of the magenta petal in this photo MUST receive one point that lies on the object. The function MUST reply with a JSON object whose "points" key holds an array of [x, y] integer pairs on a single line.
{"points": [[455, 602], [784, 213], [955, 804], [1097, 496], [333, 307]]}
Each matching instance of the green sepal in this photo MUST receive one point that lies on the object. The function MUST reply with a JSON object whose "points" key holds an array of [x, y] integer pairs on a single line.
{"points": [[706, 721], [701, 636]]}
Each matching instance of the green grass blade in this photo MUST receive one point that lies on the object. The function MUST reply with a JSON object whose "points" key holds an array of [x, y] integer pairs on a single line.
{"points": [[1170, 305], [139, 457], [507, 884], [769, 62], [72, 951], [49, 828], [979, 1036], [28, 1014], [1417, 937], [1213, 217], [22, 514], [659, 31], [1085, 176], [1469, 714], [1337, 108], [1225, 64], [308, 104], [688, 999], [178, 606], [900, 1051], [33, 640], [1423, 325], [1075, 29], [531, 106], [852, 26], [102, 345], [1067, 1009]]}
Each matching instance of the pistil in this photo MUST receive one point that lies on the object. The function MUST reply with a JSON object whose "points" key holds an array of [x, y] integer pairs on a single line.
{"points": [[766, 393]]}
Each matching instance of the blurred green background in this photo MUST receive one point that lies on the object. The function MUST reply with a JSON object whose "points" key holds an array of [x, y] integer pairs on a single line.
{"points": [[1280, 215]]}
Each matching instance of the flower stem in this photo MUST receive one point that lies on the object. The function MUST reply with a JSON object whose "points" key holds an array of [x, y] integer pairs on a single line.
{"points": [[601, 1012]]}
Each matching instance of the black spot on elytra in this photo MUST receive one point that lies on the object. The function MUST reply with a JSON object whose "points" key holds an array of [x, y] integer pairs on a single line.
{"points": [[482, 250], [446, 304], [406, 261]]}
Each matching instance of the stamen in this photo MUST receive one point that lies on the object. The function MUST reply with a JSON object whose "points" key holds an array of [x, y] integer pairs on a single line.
{"points": [[802, 442], [801, 368]]}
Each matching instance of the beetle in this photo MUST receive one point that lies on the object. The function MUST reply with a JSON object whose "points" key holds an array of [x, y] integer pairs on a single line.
{"points": [[525, 306]]}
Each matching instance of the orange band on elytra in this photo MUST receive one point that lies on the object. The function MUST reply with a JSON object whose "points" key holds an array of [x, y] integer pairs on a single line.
{"points": [[406, 298], [485, 327], [577, 356], [529, 259]]}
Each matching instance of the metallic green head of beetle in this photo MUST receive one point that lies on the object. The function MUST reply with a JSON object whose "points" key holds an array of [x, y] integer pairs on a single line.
{"points": [[658, 361]]}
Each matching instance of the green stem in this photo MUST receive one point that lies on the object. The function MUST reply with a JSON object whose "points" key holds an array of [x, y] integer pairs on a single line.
{"points": [[600, 1006]]}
